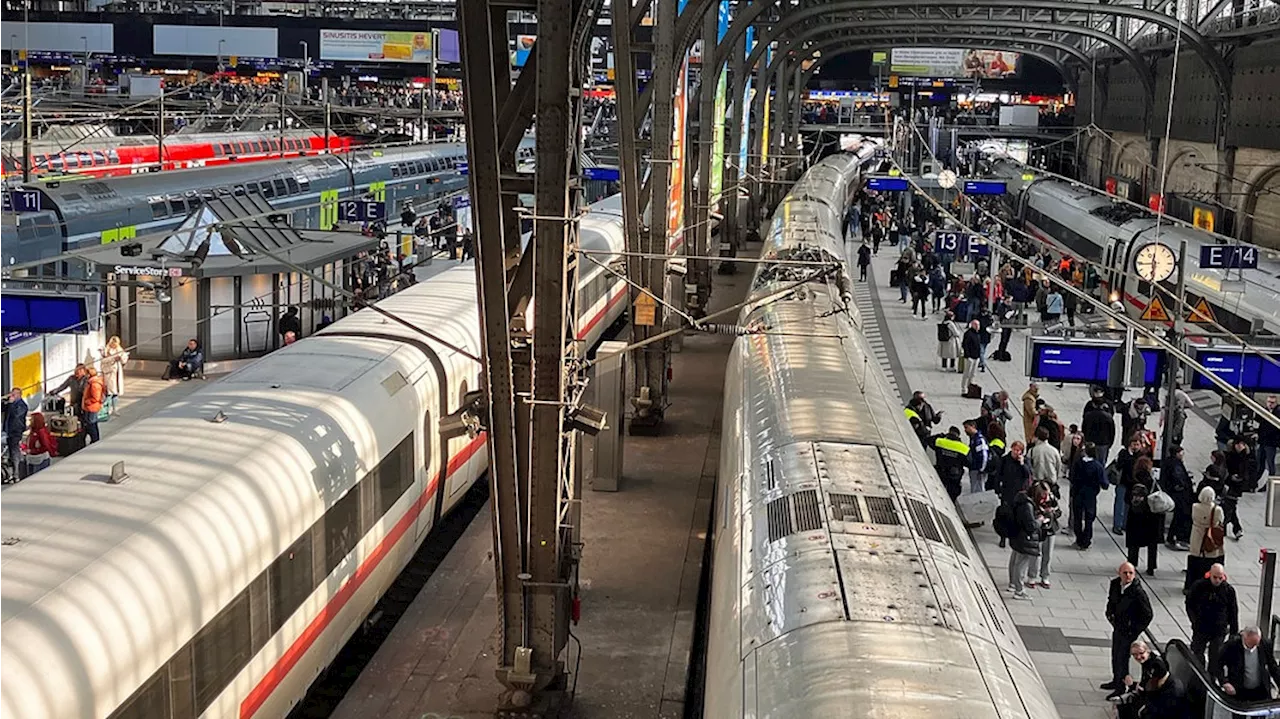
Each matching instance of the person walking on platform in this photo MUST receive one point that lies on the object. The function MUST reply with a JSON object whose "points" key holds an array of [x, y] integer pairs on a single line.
{"points": [[1176, 481], [1029, 412], [1024, 540], [1175, 415], [919, 293], [1268, 439], [1088, 478], [1099, 426], [951, 458], [948, 342], [1045, 458], [979, 454], [921, 415], [1049, 515], [95, 392], [1247, 667], [1124, 468], [937, 286], [1214, 613], [1208, 534], [864, 260], [971, 349], [1129, 612], [1145, 528]]}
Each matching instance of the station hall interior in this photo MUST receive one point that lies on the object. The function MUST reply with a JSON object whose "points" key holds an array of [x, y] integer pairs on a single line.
{"points": [[653, 359]]}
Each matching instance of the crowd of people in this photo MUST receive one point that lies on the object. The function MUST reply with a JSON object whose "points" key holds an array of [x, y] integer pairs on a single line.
{"points": [[1049, 486]]}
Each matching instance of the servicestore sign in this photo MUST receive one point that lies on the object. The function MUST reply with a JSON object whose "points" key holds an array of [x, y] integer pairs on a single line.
{"points": [[364, 45]]}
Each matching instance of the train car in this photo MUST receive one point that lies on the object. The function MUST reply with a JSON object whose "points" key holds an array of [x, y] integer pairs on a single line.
{"points": [[843, 582], [259, 521], [1124, 241], [130, 155], [88, 213]]}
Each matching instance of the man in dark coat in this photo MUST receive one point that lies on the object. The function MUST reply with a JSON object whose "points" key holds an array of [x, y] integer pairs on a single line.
{"points": [[1214, 613], [15, 425], [1129, 612], [1088, 478], [1247, 667], [1176, 481], [1024, 541], [951, 459], [1099, 426], [971, 349]]}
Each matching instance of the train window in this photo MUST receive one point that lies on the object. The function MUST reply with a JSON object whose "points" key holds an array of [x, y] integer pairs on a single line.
{"points": [[255, 146], [226, 148], [291, 581], [220, 650], [395, 170], [113, 156], [217, 150], [159, 209], [238, 190], [71, 161], [282, 189], [55, 162], [395, 473], [151, 700], [292, 184], [99, 158], [275, 145], [178, 206], [304, 184], [238, 147], [341, 529], [267, 190]]}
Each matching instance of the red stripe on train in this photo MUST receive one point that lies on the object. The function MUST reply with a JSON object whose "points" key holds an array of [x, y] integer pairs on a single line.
{"points": [[273, 678]]}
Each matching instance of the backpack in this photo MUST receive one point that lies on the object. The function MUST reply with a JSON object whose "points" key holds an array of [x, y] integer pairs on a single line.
{"points": [[944, 332], [1005, 523]]}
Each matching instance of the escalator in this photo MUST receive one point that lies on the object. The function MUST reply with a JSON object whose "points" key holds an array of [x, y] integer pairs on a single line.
{"points": [[1206, 698]]}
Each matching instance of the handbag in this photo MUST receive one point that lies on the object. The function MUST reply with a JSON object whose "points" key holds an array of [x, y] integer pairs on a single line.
{"points": [[1159, 502], [1113, 474], [1214, 536]]}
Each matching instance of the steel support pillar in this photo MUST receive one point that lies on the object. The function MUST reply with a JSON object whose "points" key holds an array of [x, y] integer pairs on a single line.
{"points": [[526, 379], [699, 214], [645, 197], [757, 169]]}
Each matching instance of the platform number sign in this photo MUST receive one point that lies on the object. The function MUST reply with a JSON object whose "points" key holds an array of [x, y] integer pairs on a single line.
{"points": [[945, 241], [361, 210], [1221, 257], [22, 201]]}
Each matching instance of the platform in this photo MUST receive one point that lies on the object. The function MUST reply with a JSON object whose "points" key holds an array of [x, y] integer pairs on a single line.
{"points": [[640, 571], [1064, 627]]}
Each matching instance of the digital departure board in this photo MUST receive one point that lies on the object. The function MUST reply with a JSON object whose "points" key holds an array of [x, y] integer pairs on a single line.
{"points": [[1061, 360]]}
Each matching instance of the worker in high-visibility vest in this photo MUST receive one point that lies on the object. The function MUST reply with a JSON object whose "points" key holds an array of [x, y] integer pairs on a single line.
{"points": [[922, 416], [951, 459]]}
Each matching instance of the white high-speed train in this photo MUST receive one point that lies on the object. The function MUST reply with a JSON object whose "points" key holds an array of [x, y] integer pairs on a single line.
{"points": [[261, 518], [1119, 236], [843, 583]]}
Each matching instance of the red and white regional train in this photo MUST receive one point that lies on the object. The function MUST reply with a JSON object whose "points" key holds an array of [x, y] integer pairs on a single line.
{"points": [[113, 156], [261, 519]]}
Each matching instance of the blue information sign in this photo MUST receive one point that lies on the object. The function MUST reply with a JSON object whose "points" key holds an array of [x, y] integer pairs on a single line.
{"points": [[1063, 361], [43, 314], [606, 174], [960, 243], [22, 201], [1219, 257], [888, 184], [984, 187], [1250, 372], [462, 168]]}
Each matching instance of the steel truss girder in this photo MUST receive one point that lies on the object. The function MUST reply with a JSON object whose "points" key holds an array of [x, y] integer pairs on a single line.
{"points": [[526, 364], [751, 12]]}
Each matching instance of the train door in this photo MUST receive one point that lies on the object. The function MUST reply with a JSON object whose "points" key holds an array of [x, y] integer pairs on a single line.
{"points": [[1113, 269], [430, 459]]}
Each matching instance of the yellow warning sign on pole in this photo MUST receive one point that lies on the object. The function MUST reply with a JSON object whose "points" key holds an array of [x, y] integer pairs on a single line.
{"points": [[1155, 312], [1201, 314], [646, 310]]}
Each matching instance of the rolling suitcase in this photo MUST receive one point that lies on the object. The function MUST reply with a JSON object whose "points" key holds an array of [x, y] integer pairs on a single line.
{"points": [[69, 444], [974, 392]]}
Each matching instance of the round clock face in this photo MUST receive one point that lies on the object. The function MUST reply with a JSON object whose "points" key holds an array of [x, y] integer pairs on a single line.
{"points": [[947, 179], [1155, 263]]}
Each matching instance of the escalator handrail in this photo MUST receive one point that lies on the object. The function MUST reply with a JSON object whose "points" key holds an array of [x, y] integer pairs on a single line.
{"points": [[1212, 691]]}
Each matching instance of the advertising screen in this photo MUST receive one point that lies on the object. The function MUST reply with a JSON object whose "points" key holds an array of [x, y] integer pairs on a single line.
{"points": [[363, 45], [524, 46], [952, 62]]}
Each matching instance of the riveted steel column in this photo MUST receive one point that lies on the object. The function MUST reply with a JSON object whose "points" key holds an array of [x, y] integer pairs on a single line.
{"points": [[777, 131], [756, 169], [496, 375], [699, 214], [733, 174]]}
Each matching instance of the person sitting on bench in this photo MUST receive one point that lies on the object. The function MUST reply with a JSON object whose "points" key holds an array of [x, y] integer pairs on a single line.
{"points": [[189, 364]]}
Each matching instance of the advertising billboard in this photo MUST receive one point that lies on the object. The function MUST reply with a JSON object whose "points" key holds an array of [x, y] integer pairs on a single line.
{"points": [[745, 109], [447, 49], [524, 46], [58, 36], [675, 197], [228, 41], [363, 45], [952, 62], [717, 141]]}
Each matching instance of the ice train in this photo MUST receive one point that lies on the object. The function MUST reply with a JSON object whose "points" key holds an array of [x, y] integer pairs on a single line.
{"points": [[843, 581], [259, 520]]}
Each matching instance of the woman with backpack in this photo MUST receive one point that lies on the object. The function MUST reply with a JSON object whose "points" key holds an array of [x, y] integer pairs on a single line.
{"points": [[949, 343], [1145, 528], [1208, 534]]}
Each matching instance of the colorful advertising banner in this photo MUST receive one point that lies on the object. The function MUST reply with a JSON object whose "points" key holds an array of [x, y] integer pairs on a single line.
{"points": [[524, 46], [364, 45], [675, 196], [746, 109], [764, 122], [951, 62], [717, 141]]}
